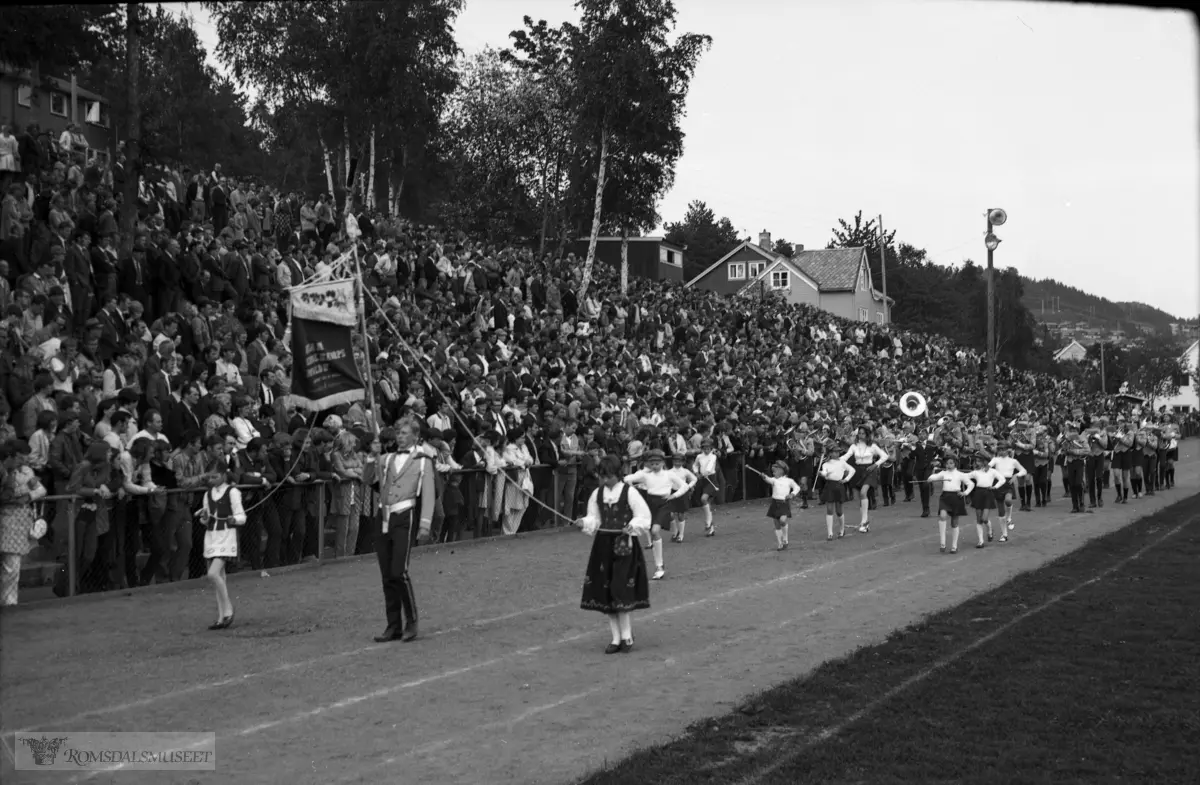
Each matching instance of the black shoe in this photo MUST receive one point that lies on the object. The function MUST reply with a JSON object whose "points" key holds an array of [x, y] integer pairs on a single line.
{"points": [[627, 645], [613, 648], [925, 514], [388, 636], [219, 625], [227, 622], [410, 632], [989, 538]]}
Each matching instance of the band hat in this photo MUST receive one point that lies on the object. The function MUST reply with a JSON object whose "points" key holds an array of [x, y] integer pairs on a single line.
{"points": [[654, 455], [780, 465]]}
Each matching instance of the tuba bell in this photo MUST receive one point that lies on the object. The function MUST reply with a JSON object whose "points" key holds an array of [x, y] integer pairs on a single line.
{"points": [[913, 404]]}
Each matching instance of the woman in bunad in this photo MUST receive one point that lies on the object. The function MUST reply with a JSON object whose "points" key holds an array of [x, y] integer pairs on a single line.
{"points": [[518, 485], [866, 457], [956, 487], [984, 497], [615, 583], [220, 514]]}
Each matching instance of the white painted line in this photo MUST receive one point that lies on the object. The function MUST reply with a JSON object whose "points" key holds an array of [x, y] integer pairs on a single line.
{"points": [[672, 663], [474, 624], [832, 731], [395, 688]]}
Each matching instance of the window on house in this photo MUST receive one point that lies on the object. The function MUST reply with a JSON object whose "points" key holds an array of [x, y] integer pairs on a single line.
{"points": [[779, 279], [737, 271], [863, 316], [755, 269], [25, 95], [880, 315], [96, 113], [58, 104]]}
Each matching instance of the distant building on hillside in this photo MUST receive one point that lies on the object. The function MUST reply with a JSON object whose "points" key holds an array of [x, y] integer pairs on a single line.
{"points": [[649, 257], [1186, 400], [836, 280], [48, 102], [1072, 352]]}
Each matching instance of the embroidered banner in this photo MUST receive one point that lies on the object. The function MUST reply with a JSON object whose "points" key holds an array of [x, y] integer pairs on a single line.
{"points": [[332, 302], [324, 373]]}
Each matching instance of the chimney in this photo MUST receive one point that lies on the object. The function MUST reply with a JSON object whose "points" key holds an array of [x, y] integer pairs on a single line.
{"points": [[764, 240], [799, 249]]}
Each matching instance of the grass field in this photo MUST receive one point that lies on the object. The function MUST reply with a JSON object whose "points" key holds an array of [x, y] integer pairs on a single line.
{"points": [[1086, 670]]}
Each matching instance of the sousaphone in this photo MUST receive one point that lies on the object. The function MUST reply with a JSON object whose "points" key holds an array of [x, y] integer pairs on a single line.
{"points": [[913, 404]]}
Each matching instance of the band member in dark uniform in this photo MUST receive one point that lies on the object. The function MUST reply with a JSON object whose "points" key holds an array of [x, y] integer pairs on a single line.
{"points": [[406, 494], [923, 457]]}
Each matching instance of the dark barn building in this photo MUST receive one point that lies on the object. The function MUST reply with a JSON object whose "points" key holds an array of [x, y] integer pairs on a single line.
{"points": [[649, 257]]}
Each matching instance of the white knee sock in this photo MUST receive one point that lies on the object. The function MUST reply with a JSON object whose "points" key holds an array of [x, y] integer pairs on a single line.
{"points": [[614, 627], [708, 514], [656, 546], [626, 622], [862, 508], [954, 538], [979, 532], [942, 531], [680, 526], [785, 539], [778, 536], [829, 524]]}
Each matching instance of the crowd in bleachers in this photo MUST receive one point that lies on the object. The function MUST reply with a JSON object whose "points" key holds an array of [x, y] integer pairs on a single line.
{"points": [[124, 374]]}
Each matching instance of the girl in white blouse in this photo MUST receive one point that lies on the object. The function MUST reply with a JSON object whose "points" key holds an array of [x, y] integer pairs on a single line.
{"points": [[834, 473], [683, 501], [866, 457], [956, 487], [220, 514], [783, 489], [705, 468], [983, 497]]}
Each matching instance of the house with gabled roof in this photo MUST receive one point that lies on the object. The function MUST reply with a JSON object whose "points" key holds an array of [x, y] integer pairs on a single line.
{"points": [[836, 280], [1188, 397], [1072, 352]]}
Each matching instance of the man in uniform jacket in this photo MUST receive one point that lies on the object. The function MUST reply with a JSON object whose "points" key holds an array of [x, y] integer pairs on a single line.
{"points": [[406, 494], [924, 454]]}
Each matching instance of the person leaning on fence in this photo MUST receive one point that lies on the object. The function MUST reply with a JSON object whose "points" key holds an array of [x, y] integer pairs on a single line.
{"points": [[19, 488], [407, 494]]}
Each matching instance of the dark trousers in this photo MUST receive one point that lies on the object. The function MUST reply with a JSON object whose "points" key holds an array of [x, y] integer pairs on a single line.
{"points": [[291, 534], [1095, 478], [923, 489], [887, 484], [1074, 476], [1151, 473], [393, 549]]}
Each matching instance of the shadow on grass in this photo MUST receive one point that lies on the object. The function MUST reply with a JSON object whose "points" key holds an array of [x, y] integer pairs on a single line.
{"points": [[1099, 685]]}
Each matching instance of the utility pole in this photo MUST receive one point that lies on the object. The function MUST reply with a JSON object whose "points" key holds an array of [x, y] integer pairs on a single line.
{"points": [[133, 157], [887, 314], [1103, 382], [991, 329]]}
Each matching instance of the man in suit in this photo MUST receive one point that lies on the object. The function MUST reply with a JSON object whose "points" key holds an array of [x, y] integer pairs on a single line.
{"points": [[183, 419], [219, 205], [923, 457], [406, 493]]}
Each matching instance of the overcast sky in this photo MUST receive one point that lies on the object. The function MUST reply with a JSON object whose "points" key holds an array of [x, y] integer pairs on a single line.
{"points": [[1080, 121]]}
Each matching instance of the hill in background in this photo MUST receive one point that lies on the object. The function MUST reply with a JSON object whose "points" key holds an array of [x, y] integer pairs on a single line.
{"points": [[1054, 302]]}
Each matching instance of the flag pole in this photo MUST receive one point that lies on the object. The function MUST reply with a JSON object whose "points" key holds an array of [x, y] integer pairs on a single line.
{"points": [[362, 322]]}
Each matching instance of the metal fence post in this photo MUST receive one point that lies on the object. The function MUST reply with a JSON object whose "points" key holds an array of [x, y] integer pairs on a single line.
{"points": [[72, 547], [320, 522]]}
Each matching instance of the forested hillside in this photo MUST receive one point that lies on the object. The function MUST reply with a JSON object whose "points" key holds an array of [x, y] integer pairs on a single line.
{"points": [[1074, 305]]}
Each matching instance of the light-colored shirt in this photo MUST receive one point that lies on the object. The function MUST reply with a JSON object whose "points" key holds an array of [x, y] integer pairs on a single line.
{"points": [[1007, 467], [836, 470], [637, 505], [865, 453], [953, 481], [661, 483], [782, 487], [987, 478]]}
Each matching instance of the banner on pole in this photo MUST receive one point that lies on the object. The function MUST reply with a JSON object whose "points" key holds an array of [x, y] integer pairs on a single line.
{"points": [[324, 371]]}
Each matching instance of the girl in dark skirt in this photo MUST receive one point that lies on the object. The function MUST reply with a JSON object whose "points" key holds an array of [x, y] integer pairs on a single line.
{"points": [[783, 489], [708, 486], [984, 498], [615, 583], [834, 473], [952, 504], [682, 503]]}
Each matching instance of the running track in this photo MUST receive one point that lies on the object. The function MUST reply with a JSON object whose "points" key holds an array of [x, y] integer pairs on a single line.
{"points": [[508, 683]]}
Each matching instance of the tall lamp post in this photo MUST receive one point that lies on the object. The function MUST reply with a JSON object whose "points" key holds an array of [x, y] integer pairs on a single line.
{"points": [[995, 217]]}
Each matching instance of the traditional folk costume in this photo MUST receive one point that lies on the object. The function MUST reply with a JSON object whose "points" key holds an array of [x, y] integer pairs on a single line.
{"points": [[956, 486], [615, 582], [221, 512]]}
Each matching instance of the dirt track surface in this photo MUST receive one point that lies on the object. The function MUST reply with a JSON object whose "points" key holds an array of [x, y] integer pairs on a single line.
{"points": [[508, 682]]}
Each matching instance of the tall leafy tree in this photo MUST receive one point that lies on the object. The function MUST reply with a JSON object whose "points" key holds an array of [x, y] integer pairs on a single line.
{"points": [[631, 86], [57, 39], [1156, 367], [706, 238]]}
